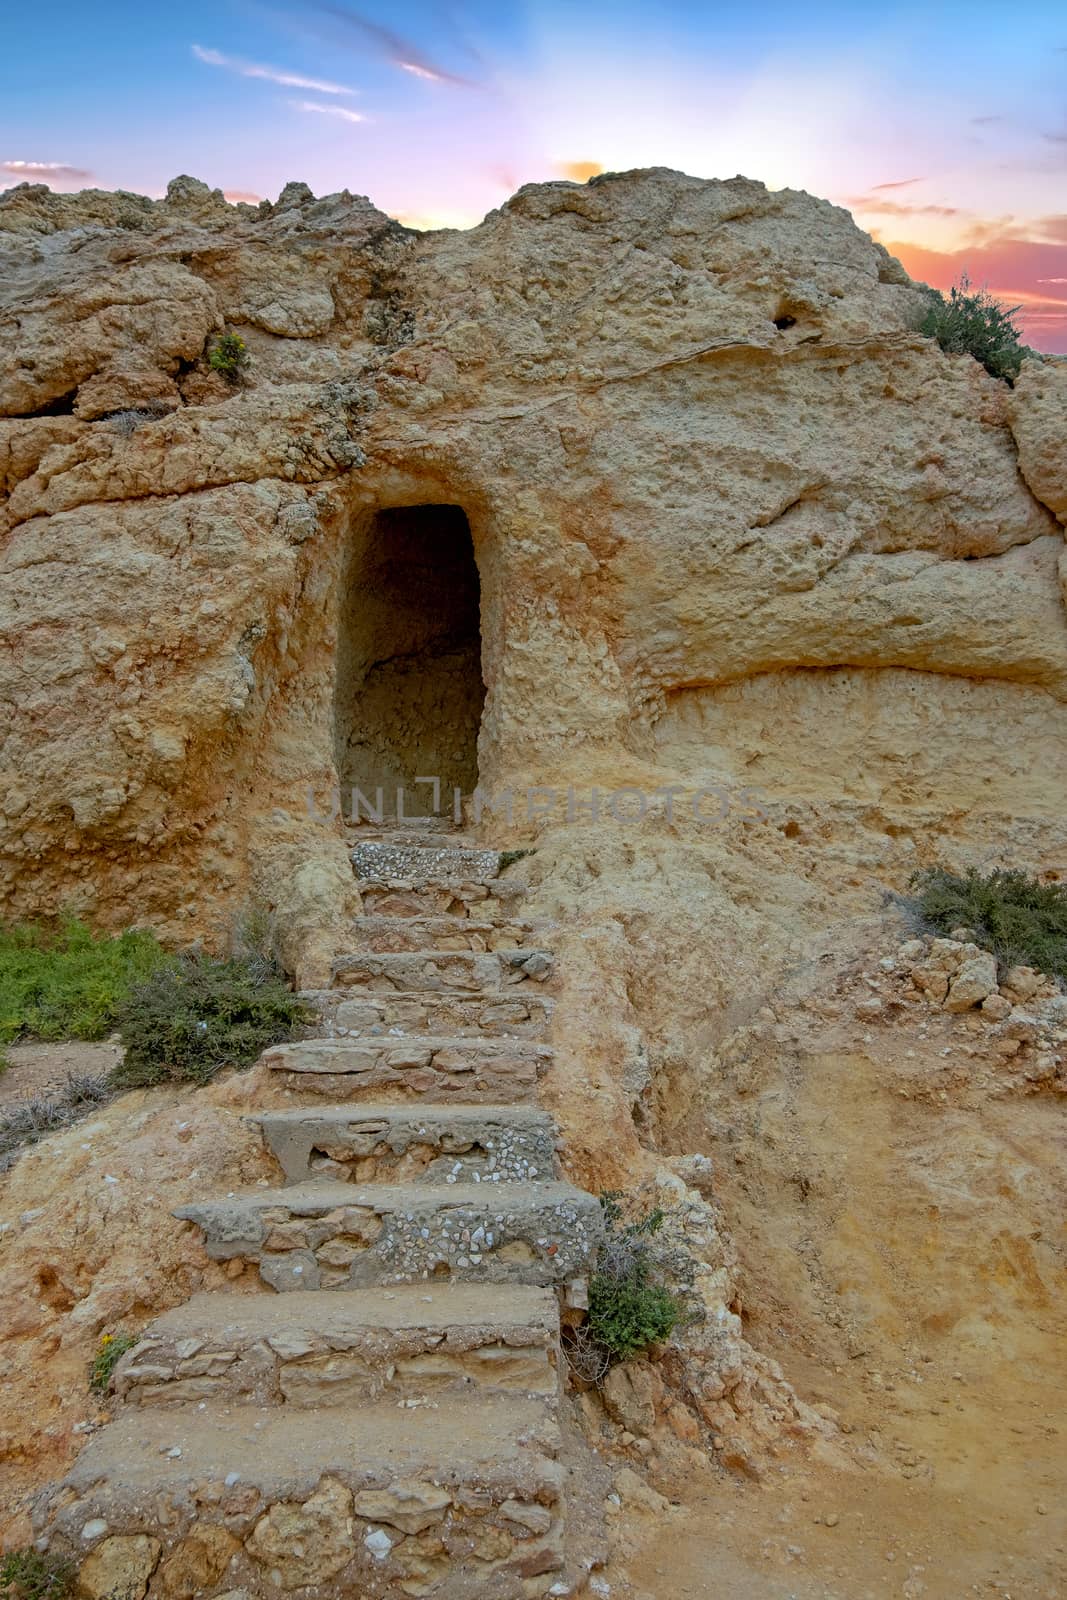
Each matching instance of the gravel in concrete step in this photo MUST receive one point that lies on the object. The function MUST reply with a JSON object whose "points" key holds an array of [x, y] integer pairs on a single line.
{"points": [[346, 1347], [461, 970], [386, 933], [424, 861], [450, 1498], [348, 1236], [466, 1068], [404, 1144]]}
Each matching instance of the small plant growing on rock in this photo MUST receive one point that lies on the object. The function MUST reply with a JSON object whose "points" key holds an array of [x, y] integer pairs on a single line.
{"points": [[196, 1015], [34, 1575], [229, 357], [1009, 913], [109, 1352], [629, 1308], [972, 322]]}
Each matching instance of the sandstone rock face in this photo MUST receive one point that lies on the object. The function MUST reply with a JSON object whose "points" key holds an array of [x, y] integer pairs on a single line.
{"points": [[730, 515]]}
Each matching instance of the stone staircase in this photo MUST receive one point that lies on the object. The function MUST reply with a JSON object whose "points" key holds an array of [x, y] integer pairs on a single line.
{"points": [[394, 1428]]}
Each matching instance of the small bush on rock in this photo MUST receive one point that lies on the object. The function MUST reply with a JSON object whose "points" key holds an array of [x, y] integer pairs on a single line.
{"points": [[196, 1015], [971, 322], [229, 356], [1009, 913], [64, 982], [628, 1308], [34, 1575]]}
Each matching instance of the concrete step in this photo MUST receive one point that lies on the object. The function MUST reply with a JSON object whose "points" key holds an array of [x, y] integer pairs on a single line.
{"points": [[422, 1144], [348, 1236], [524, 1011], [420, 933], [465, 971], [421, 861], [396, 897], [463, 1068], [451, 1499], [346, 1347]]}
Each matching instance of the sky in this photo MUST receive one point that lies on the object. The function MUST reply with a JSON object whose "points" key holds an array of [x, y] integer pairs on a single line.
{"points": [[941, 127]]}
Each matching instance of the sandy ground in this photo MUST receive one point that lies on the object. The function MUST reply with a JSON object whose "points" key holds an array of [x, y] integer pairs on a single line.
{"points": [[900, 1216], [988, 1519]]}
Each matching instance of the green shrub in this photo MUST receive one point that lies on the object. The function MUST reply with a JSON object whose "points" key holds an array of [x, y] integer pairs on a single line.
{"points": [[65, 983], [109, 1352], [34, 1575], [628, 1308], [229, 356], [195, 1015], [1009, 913], [971, 322]]}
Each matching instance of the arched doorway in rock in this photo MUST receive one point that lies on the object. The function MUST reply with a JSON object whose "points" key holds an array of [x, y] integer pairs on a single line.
{"points": [[409, 692]]}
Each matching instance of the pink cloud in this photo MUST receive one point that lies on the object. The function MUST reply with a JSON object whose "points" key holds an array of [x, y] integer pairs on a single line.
{"points": [[44, 171], [1017, 267], [894, 208]]}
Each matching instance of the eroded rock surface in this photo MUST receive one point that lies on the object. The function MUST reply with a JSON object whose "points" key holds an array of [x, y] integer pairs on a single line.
{"points": [[698, 445]]}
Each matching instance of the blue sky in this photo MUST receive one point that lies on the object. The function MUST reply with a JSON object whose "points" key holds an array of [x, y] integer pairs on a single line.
{"points": [[943, 128]]}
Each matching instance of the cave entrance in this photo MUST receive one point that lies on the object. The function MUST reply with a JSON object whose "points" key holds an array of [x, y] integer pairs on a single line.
{"points": [[409, 690]]}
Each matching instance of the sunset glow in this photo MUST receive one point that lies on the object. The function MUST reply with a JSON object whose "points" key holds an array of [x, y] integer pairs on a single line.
{"points": [[944, 132]]}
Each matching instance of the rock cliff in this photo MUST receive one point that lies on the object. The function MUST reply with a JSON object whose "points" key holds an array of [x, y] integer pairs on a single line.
{"points": [[731, 516]]}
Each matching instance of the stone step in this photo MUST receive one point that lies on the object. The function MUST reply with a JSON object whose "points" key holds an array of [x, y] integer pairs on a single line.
{"points": [[400, 1144], [466, 971], [409, 830], [420, 861], [450, 1499], [382, 934], [348, 1236], [346, 1347], [524, 1012], [396, 897], [464, 1068]]}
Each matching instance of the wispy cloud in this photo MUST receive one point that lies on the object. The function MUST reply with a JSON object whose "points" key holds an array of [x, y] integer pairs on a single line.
{"points": [[875, 205], [328, 111], [400, 51], [239, 197], [253, 69], [47, 171], [899, 183], [985, 122]]}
